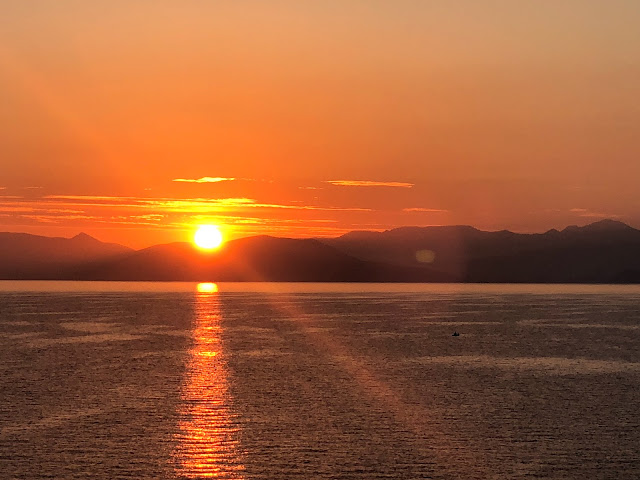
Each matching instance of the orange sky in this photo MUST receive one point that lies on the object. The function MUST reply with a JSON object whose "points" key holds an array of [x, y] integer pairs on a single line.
{"points": [[315, 118]]}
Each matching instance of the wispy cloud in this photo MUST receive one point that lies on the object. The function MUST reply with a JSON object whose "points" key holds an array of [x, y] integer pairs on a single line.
{"points": [[369, 183], [244, 215], [5, 208], [87, 197], [583, 212], [185, 205], [159, 203], [428, 210], [204, 179], [41, 218], [311, 207]]}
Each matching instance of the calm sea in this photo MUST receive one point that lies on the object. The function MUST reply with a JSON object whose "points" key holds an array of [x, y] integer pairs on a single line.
{"points": [[308, 381]]}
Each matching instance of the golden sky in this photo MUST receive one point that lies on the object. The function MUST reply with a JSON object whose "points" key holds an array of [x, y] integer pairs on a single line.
{"points": [[135, 120]]}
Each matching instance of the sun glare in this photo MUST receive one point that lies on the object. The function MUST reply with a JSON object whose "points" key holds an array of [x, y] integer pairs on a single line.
{"points": [[207, 287], [208, 237]]}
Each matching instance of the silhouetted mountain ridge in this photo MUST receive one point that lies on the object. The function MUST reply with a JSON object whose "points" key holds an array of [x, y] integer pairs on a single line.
{"points": [[261, 258], [605, 225], [602, 252], [23, 255]]}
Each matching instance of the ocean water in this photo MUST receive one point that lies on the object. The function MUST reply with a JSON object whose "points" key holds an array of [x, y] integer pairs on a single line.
{"points": [[306, 381]]}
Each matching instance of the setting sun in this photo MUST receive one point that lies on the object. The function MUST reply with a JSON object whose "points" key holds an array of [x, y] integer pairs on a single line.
{"points": [[208, 237]]}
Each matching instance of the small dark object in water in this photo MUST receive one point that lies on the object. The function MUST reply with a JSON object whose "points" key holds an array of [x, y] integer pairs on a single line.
{"points": [[455, 334]]}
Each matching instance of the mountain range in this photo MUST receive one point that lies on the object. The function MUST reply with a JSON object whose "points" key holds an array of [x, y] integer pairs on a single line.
{"points": [[607, 251]]}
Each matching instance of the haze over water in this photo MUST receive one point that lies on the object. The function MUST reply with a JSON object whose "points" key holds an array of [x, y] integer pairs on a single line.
{"points": [[283, 381]]}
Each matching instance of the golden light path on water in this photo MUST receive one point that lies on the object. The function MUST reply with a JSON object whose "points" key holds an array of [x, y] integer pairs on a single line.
{"points": [[208, 433]]}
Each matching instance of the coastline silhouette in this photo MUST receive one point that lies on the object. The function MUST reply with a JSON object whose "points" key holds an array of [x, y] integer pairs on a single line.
{"points": [[603, 252]]}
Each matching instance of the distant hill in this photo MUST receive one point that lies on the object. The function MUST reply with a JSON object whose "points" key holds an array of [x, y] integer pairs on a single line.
{"points": [[25, 256], [603, 252], [261, 258]]}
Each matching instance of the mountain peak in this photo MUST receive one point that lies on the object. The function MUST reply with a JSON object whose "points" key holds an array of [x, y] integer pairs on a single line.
{"points": [[609, 224], [605, 225], [84, 237]]}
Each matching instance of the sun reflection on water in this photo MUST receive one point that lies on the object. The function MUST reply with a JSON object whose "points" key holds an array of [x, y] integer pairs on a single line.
{"points": [[207, 287], [208, 431]]}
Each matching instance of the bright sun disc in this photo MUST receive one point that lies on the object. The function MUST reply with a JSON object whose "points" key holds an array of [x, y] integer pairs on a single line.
{"points": [[208, 237]]}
